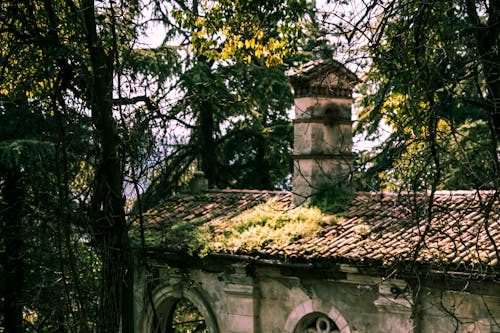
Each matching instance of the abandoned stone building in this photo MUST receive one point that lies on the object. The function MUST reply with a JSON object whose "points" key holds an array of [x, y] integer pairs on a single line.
{"points": [[243, 261]]}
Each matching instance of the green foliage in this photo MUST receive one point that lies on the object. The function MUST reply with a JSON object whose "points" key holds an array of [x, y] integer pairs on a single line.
{"points": [[427, 81], [333, 200], [266, 225], [30, 146], [49, 91], [236, 116], [234, 108], [17, 152], [187, 318], [245, 30], [467, 161], [180, 233], [254, 150], [160, 63]]}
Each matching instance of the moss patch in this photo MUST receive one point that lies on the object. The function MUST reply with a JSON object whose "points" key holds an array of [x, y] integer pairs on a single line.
{"points": [[267, 225], [333, 200], [177, 235]]}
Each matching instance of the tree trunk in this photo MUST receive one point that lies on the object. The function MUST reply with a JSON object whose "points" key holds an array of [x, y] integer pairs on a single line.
{"points": [[11, 208], [108, 227], [207, 143], [487, 37], [262, 170]]}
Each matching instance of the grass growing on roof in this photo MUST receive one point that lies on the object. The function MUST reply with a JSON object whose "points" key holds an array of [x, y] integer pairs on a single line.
{"points": [[178, 234], [265, 225], [332, 200]]}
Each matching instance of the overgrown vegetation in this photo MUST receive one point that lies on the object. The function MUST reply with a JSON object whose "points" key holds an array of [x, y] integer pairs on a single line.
{"points": [[91, 116], [266, 225], [101, 112], [332, 200]]}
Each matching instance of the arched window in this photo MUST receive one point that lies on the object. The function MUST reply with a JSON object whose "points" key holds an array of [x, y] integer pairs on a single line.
{"points": [[316, 322], [178, 310], [180, 316], [315, 317]]}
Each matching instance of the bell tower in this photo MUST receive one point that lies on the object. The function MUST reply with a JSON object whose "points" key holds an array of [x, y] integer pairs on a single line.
{"points": [[322, 128]]}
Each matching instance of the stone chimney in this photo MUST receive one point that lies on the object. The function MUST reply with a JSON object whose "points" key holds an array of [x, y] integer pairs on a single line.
{"points": [[322, 128], [198, 183]]}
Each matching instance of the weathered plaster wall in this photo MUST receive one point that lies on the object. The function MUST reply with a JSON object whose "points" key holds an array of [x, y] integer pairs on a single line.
{"points": [[455, 311], [270, 300], [322, 145], [302, 104], [356, 303]]}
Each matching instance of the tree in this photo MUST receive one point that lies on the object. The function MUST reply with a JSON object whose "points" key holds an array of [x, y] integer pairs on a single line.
{"points": [[430, 71], [232, 123], [39, 265], [79, 50], [76, 62], [236, 124], [28, 141]]}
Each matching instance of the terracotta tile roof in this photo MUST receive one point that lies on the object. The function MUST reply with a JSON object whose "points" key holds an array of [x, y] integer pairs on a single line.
{"points": [[461, 232], [326, 78]]}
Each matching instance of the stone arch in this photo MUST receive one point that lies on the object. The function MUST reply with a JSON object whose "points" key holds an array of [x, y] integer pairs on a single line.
{"points": [[311, 308], [165, 299]]}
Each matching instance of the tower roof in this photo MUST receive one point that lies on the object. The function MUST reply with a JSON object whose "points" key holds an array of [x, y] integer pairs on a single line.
{"points": [[323, 78]]}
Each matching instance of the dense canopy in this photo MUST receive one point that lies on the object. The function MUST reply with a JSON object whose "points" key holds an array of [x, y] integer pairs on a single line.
{"points": [[100, 126]]}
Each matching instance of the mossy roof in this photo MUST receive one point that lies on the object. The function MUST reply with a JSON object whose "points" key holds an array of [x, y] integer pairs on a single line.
{"points": [[460, 231]]}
